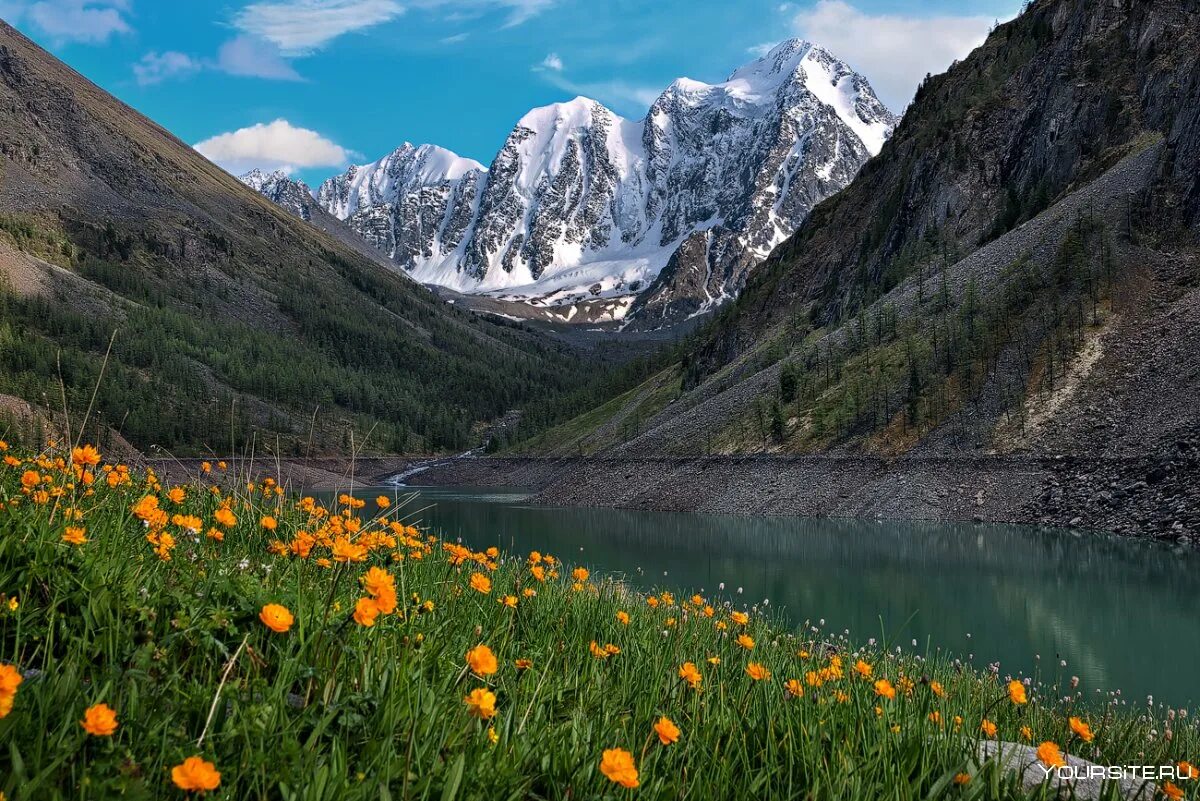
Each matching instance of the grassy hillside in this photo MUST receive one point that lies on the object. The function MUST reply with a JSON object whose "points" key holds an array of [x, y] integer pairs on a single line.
{"points": [[158, 640], [232, 319]]}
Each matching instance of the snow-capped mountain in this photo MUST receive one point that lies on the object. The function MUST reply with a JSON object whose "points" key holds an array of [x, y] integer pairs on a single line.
{"points": [[293, 195], [416, 204], [660, 218]]}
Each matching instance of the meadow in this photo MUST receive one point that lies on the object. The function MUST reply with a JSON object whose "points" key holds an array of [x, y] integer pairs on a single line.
{"points": [[228, 639]]}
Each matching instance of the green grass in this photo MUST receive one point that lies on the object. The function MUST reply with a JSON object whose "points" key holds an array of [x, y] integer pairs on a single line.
{"points": [[334, 710]]}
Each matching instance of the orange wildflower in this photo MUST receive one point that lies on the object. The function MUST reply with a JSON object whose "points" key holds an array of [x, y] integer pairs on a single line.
{"points": [[689, 673], [344, 550], [99, 720], [481, 703], [1081, 729], [1051, 755], [86, 456], [617, 764], [481, 660], [481, 583], [276, 617], [667, 731], [365, 612], [194, 774], [757, 671]]}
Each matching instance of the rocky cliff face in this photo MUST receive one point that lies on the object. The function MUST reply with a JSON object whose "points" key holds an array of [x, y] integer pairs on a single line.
{"points": [[280, 188], [1050, 101], [582, 205], [415, 204]]}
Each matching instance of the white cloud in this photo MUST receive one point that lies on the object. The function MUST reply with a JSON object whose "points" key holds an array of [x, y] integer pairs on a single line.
{"points": [[254, 58], [552, 62], [302, 26], [87, 21], [278, 145], [455, 39], [894, 52], [158, 67], [760, 50]]}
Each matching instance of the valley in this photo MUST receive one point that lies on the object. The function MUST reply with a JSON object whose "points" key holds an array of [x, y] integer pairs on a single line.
{"points": [[765, 444]]}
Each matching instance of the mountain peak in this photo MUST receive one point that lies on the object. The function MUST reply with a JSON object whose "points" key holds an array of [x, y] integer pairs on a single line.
{"points": [[438, 163], [574, 113], [257, 179], [782, 58]]}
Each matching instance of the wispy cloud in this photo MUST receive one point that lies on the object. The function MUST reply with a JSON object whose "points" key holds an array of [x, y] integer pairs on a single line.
{"points": [[895, 52], [277, 145], [552, 62], [518, 11], [254, 58], [455, 39], [243, 56], [760, 50], [302, 26], [158, 67], [522, 10], [63, 21]]}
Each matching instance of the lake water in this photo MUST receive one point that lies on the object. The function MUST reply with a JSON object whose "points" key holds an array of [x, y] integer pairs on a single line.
{"points": [[1122, 614]]}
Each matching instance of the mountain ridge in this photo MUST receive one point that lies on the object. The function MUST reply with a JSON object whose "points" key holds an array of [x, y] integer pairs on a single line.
{"points": [[583, 206]]}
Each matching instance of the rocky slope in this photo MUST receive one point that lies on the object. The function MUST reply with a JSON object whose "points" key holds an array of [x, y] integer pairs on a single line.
{"points": [[660, 219], [230, 322], [1014, 279]]}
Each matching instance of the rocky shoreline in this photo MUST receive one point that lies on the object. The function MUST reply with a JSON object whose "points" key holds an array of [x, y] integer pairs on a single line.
{"points": [[1154, 497]]}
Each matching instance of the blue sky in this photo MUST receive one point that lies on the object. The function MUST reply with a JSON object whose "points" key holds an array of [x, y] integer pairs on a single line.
{"points": [[311, 85]]}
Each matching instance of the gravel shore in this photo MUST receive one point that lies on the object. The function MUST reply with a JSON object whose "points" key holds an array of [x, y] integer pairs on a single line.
{"points": [[1103, 494]]}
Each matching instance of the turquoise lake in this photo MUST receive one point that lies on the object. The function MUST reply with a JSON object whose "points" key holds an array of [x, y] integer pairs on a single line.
{"points": [[1122, 614]]}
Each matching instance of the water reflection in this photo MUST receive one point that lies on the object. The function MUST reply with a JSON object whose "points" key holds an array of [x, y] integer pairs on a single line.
{"points": [[1123, 614]]}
